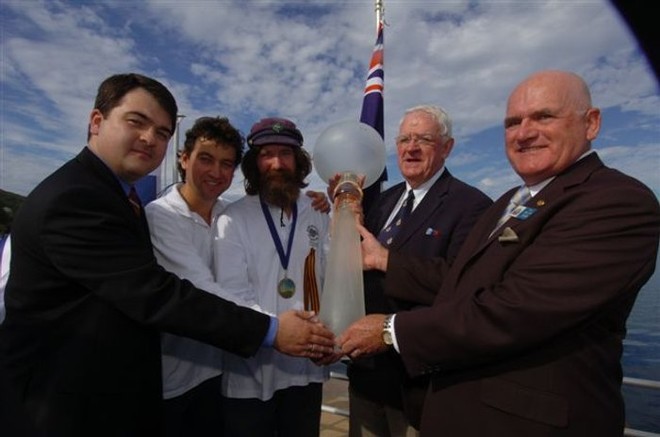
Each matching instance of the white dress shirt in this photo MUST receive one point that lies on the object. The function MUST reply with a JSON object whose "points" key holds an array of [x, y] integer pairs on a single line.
{"points": [[183, 245]]}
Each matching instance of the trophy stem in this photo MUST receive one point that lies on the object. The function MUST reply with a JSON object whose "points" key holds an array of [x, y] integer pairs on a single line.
{"points": [[342, 301]]}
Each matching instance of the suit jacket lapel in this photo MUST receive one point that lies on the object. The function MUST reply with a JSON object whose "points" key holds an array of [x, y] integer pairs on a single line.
{"points": [[103, 173], [100, 170], [380, 211], [429, 204], [574, 175]]}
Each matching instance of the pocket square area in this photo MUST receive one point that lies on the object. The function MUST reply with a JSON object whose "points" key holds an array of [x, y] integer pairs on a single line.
{"points": [[508, 236]]}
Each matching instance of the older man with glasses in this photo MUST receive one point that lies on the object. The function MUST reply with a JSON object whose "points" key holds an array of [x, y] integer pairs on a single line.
{"points": [[427, 215]]}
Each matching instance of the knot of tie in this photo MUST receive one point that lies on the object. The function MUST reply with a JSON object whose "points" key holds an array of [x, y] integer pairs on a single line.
{"points": [[407, 204], [520, 197]]}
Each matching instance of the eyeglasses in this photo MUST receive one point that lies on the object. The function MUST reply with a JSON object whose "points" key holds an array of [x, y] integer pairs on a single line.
{"points": [[426, 140]]}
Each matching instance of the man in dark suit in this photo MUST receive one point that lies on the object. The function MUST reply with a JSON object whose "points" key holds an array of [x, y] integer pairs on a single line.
{"points": [[383, 400], [86, 299], [525, 335]]}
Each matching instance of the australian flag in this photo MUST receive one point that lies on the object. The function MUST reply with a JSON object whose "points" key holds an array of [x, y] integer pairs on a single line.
{"points": [[372, 109]]}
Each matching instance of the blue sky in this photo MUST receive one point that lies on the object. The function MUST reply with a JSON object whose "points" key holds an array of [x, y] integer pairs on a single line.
{"points": [[307, 60]]}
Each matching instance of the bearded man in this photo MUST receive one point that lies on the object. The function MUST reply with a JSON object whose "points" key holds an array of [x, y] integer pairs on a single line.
{"points": [[270, 251]]}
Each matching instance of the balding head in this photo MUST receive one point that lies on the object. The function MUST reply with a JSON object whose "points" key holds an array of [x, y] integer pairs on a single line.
{"points": [[573, 88], [549, 124]]}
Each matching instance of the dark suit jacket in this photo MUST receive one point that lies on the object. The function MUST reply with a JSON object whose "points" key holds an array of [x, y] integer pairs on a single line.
{"points": [[86, 302], [437, 227], [525, 337]]}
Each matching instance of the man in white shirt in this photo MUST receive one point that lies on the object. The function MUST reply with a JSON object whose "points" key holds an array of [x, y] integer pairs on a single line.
{"points": [[183, 225], [270, 252]]}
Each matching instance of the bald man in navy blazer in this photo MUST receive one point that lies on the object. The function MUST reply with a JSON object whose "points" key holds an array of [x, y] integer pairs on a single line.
{"points": [[525, 335]]}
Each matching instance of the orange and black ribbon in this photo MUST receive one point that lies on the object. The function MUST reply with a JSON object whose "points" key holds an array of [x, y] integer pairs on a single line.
{"points": [[312, 302]]}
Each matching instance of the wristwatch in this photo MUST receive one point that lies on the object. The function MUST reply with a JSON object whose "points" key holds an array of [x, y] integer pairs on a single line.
{"points": [[388, 330]]}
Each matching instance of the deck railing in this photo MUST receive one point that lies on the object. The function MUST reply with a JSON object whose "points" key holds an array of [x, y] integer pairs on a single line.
{"points": [[627, 432], [642, 383]]}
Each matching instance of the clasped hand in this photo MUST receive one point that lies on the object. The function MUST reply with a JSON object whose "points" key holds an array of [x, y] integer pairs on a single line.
{"points": [[301, 334], [363, 337]]}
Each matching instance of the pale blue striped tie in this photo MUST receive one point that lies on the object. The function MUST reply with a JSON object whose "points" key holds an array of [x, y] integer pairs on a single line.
{"points": [[520, 197]]}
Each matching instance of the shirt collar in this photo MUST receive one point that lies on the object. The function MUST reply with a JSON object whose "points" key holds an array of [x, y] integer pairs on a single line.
{"points": [[424, 188]]}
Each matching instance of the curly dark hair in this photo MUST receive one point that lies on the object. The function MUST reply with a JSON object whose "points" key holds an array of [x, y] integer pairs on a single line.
{"points": [[217, 129], [250, 170]]}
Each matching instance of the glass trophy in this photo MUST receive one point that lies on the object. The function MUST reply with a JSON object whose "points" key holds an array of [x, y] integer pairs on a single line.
{"points": [[352, 149]]}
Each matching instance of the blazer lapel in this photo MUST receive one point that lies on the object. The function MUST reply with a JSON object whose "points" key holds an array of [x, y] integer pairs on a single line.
{"points": [[380, 211], [494, 215], [429, 204], [544, 199], [101, 171], [108, 179]]}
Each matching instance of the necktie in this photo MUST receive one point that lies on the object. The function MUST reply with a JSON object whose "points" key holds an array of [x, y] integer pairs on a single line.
{"points": [[135, 201], [519, 198], [389, 232]]}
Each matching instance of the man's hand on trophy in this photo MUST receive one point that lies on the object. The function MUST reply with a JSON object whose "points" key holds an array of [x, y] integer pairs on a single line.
{"points": [[301, 334], [374, 254], [363, 337]]}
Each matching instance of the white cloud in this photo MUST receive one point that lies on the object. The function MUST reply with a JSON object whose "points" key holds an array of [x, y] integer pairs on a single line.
{"points": [[307, 61]]}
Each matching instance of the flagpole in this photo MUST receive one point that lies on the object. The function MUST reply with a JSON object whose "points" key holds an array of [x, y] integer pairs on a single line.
{"points": [[372, 104], [380, 9], [176, 150]]}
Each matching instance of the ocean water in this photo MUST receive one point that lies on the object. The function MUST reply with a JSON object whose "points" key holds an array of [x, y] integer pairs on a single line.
{"points": [[641, 357]]}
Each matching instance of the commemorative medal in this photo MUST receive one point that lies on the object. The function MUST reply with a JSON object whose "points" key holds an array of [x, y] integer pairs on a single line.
{"points": [[286, 288]]}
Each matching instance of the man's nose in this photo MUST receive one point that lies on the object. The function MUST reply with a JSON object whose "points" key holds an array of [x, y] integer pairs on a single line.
{"points": [[526, 129], [148, 135], [276, 162]]}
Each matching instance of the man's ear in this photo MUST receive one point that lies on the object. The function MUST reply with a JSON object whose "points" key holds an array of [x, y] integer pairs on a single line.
{"points": [[95, 121], [593, 123]]}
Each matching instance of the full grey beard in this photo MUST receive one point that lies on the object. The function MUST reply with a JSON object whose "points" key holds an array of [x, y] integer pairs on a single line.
{"points": [[279, 189]]}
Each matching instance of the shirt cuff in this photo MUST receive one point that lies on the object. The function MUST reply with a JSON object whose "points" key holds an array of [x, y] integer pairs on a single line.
{"points": [[269, 340], [394, 342]]}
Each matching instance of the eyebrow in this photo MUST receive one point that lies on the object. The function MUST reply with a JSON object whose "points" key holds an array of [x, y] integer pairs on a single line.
{"points": [[148, 119], [533, 115], [425, 134]]}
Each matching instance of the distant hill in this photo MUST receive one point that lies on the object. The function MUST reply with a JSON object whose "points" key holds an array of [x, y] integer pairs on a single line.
{"points": [[9, 204]]}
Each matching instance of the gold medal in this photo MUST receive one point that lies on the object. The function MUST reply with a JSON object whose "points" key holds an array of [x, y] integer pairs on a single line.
{"points": [[286, 288]]}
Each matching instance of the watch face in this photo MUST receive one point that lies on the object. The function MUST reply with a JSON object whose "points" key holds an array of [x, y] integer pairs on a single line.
{"points": [[387, 338]]}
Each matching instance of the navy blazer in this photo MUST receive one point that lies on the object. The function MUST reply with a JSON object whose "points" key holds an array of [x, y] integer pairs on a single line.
{"points": [[525, 335], [436, 228], [86, 302]]}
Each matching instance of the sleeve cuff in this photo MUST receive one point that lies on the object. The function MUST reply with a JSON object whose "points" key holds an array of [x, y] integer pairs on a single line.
{"points": [[269, 340]]}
